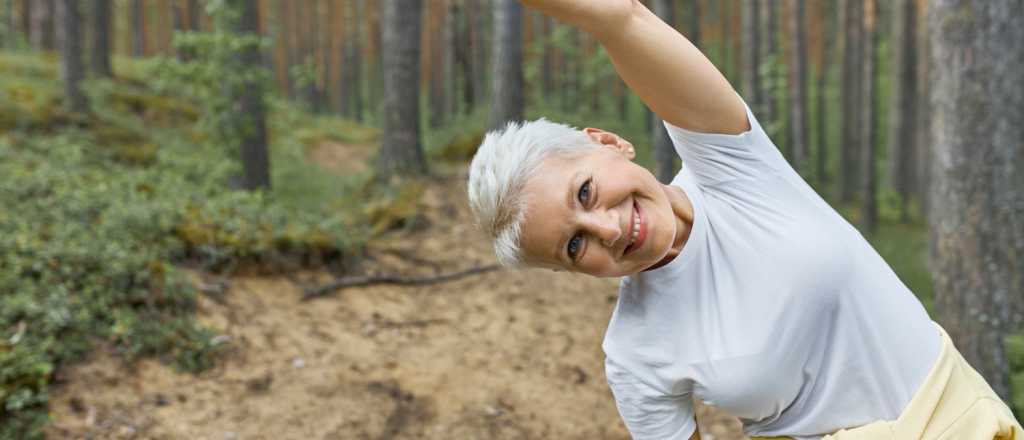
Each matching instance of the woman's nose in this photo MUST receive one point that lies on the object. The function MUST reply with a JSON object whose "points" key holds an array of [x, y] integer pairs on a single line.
{"points": [[604, 225]]}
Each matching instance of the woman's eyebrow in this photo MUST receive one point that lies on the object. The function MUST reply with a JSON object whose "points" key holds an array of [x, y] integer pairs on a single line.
{"points": [[569, 203]]}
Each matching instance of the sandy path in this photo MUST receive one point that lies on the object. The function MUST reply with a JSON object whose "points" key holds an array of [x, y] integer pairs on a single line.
{"points": [[504, 355]]}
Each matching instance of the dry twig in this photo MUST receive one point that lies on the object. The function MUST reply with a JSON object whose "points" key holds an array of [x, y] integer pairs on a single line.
{"points": [[366, 280]]}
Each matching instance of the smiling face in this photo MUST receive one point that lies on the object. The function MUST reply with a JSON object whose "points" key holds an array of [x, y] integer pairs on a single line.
{"points": [[599, 213]]}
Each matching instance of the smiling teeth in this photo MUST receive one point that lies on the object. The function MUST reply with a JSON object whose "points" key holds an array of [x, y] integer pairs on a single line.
{"points": [[636, 229]]}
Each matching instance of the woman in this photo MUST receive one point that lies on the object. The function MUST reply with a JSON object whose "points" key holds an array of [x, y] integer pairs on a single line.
{"points": [[741, 286]]}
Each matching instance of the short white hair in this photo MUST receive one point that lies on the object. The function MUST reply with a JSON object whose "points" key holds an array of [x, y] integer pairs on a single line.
{"points": [[506, 159]]}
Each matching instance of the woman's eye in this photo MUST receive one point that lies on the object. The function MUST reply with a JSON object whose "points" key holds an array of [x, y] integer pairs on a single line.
{"points": [[584, 194], [573, 248]]}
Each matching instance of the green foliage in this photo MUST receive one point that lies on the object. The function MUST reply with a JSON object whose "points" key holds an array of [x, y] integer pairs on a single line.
{"points": [[217, 75], [99, 215]]}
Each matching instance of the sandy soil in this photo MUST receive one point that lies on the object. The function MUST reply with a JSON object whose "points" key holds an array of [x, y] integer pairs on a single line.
{"points": [[503, 355]]}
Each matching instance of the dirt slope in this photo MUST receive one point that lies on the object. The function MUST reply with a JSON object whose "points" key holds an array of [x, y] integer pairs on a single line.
{"points": [[504, 355]]}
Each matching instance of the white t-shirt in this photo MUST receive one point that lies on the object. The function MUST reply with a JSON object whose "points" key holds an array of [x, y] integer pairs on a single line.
{"points": [[777, 310]]}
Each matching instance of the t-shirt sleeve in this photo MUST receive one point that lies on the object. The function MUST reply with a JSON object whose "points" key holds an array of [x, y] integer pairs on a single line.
{"points": [[715, 158], [648, 413]]}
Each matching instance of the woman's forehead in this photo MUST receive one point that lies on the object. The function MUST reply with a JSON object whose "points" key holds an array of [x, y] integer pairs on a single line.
{"points": [[548, 211]]}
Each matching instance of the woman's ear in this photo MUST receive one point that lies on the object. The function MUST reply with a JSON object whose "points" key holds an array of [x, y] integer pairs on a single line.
{"points": [[611, 140]]}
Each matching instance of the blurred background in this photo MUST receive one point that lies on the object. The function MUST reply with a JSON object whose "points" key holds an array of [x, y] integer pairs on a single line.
{"points": [[245, 219]]}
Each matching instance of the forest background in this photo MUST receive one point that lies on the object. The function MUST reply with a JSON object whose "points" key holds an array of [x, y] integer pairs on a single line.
{"points": [[152, 151]]}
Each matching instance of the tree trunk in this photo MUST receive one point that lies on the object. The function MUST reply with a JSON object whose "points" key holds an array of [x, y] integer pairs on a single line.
{"points": [[850, 119], [664, 153], [507, 91], [868, 128], [693, 21], [769, 60], [43, 30], [437, 67], [923, 141], [751, 65], [977, 242], [177, 25], [821, 160], [902, 118], [355, 59], [480, 12], [72, 71], [401, 151], [798, 87], [138, 29], [252, 109], [193, 15], [101, 38], [463, 58]]}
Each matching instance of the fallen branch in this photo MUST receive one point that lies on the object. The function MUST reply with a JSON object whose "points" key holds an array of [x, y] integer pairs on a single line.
{"points": [[366, 280]]}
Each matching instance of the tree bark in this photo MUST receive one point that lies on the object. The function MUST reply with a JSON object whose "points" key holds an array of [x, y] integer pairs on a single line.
{"points": [[193, 15], [902, 117], [72, 71], [798, 87], [437, 65], [43, 30], [751, 65], [401, 150], [769, 47], [693, 21], [665, 157], [821, 161], [463, 58], [850, 119], [507, 85], [977, 242], [479, 12], [868, 128], [138, 29], [101, 38], [251, 105], [923, 141]]}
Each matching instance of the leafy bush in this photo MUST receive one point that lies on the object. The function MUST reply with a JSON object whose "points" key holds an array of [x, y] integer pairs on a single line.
{"points": [[101, 213]]}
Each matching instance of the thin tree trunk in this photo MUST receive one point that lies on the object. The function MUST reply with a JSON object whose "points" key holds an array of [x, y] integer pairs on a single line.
{"points": [[437, 54], [798, 87], [138, 20], [693, 22], [463, 57], [401, 150], [252, 111], [26, 20], [902, 117], [751, 54], [769, 60], [355, 59], [868, 128], [977, 242], [507, 91], [43, 30], [664, 153], [481, 11], [193, 15], [101, 38], [923, 141], [821, 169], [72, 71], [850, 120]]}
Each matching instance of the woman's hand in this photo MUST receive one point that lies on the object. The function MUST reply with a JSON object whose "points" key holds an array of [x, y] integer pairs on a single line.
{"points": [[591, 15]]}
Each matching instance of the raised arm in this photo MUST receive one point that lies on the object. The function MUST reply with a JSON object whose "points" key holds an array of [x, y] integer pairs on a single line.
{"points": [[659, 64]]}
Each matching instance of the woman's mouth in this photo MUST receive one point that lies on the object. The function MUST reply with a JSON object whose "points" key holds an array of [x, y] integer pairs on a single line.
{"points": [[638, 231]]}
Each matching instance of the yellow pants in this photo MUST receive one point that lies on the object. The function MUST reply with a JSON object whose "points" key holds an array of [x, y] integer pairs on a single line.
{"points": [[953, 403]]}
